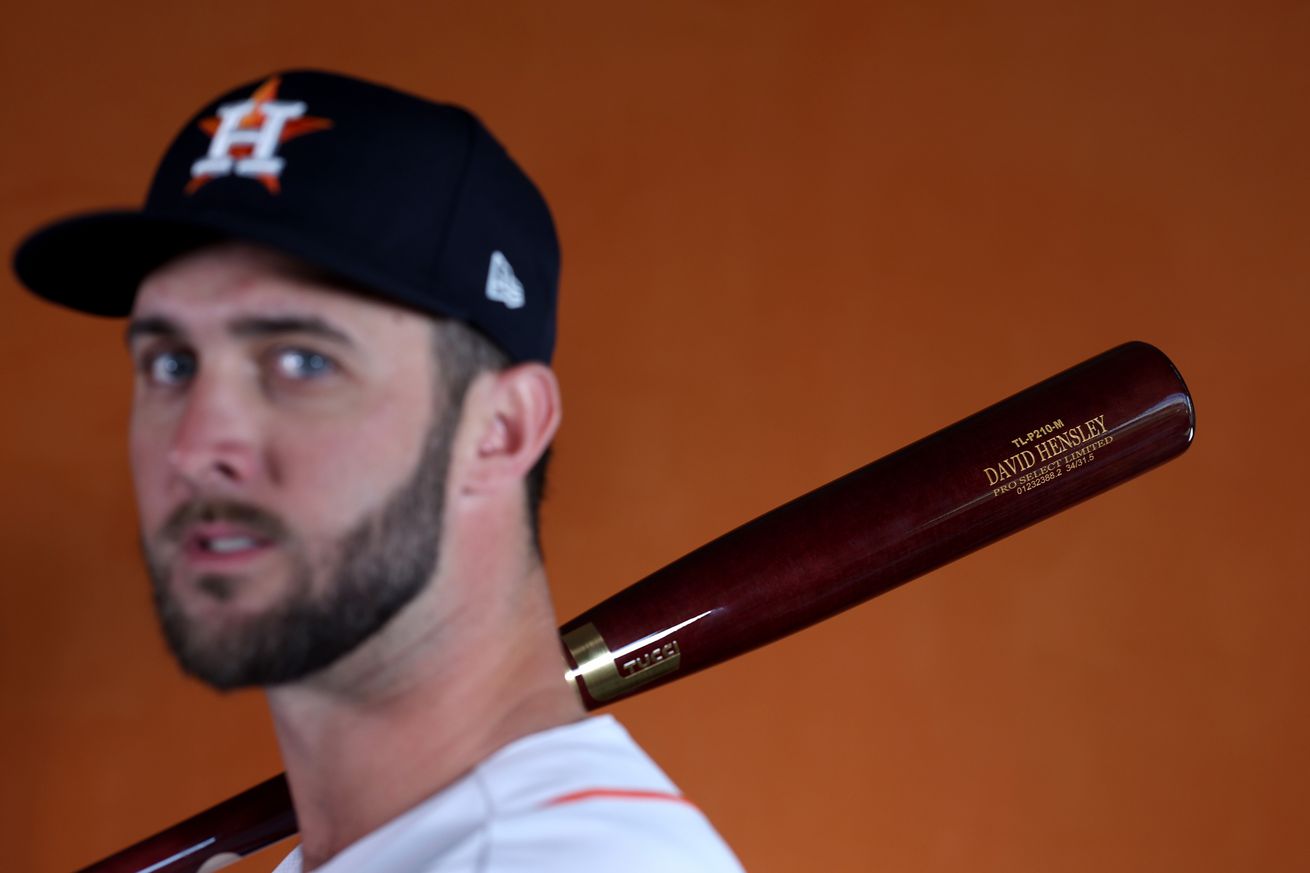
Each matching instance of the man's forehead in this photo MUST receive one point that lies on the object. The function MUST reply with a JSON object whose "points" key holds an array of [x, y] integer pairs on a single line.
{"points": [[233, 280]]}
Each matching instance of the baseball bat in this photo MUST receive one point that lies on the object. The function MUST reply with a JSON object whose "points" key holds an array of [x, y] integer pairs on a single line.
{"points": [[1027, 457]]}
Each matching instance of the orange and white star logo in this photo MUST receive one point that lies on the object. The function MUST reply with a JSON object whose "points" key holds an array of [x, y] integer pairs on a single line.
{"points": [[245, 137]]}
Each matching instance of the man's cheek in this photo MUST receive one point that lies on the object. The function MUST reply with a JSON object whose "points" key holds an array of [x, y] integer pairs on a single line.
{"points": [[339, 486]]}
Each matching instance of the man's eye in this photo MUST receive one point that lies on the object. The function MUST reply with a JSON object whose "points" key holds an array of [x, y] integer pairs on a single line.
{"points": [[302, 364], [169, 368]]}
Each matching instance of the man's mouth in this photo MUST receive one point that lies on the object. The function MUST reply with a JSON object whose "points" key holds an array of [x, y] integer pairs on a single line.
{"points": [[227, 545], [219, 537], [209, 543]]}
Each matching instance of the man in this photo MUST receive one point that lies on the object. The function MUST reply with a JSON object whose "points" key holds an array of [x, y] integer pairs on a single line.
{"points": [[341, 304]]}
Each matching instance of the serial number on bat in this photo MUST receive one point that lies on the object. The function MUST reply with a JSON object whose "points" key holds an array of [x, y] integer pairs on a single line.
{"points": [[1044, 430]]}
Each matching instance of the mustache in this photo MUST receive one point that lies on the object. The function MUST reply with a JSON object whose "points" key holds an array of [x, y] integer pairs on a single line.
{"points": [[259, 521]]}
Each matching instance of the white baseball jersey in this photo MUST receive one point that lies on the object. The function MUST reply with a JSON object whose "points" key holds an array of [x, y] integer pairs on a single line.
{"points": [[579, 797]]}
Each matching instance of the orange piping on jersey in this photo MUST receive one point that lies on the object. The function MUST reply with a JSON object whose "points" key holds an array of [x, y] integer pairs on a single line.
{"points": [[617, 794]]}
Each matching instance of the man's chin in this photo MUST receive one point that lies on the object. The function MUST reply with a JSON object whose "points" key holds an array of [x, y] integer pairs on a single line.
{"points": [[226, 630], [227, 597], [219, 650]]}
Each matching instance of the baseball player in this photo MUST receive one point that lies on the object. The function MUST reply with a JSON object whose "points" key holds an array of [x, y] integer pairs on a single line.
{"points": [[340, 305]]}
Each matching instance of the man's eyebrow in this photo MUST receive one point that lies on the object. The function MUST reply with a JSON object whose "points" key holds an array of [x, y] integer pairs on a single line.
{"points": [[151, 325], [254, 326], [262, 326]]}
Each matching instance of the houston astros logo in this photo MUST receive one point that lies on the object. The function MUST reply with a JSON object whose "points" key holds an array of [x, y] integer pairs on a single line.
{"points": [[245, 137]]}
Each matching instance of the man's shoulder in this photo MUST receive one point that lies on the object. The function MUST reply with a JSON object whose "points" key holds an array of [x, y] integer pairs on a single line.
{"points": [[588, 794], [594, 754], [580, 796], [635, 835]]}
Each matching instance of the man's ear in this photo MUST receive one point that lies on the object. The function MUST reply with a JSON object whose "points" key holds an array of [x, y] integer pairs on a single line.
{"points": [[510, 417]]}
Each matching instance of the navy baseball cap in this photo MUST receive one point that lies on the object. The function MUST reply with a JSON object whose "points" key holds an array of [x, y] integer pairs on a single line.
{"points": [[412, 200]]}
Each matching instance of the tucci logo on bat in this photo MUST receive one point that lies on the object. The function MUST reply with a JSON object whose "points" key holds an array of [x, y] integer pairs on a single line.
{"points": [[653, 658], [598, 672]]}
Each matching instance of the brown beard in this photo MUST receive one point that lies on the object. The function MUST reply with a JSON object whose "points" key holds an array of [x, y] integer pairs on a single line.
{"points": [[379, 566]]}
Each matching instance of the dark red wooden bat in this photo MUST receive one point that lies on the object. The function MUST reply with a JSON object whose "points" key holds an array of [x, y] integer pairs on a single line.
{"points": [[1015, 463]]}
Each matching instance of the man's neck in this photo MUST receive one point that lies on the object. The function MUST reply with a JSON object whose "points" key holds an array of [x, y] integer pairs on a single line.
{"points": [[412, 711]]}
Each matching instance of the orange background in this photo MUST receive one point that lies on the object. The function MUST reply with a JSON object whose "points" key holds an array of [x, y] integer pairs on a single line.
{"points": [[794, 240]]}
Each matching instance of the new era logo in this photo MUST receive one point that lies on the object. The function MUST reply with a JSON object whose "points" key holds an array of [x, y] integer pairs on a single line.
{"points": [[502, 285]]}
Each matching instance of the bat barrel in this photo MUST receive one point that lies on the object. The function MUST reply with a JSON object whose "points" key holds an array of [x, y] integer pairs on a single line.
{"points": [[1017, 462], [244, 823]]}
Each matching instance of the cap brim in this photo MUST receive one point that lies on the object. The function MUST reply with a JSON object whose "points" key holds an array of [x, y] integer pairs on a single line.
{"points": [[95, 263]]}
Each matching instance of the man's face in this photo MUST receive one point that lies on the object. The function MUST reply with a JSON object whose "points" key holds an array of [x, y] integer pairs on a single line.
{"points": [[288, 460]]}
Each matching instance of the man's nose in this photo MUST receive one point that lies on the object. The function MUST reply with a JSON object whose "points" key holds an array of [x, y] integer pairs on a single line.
{"points": [[215, 439]]}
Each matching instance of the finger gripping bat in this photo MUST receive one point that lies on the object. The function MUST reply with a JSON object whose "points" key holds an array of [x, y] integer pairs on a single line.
{"points": [[1015, 463]]}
